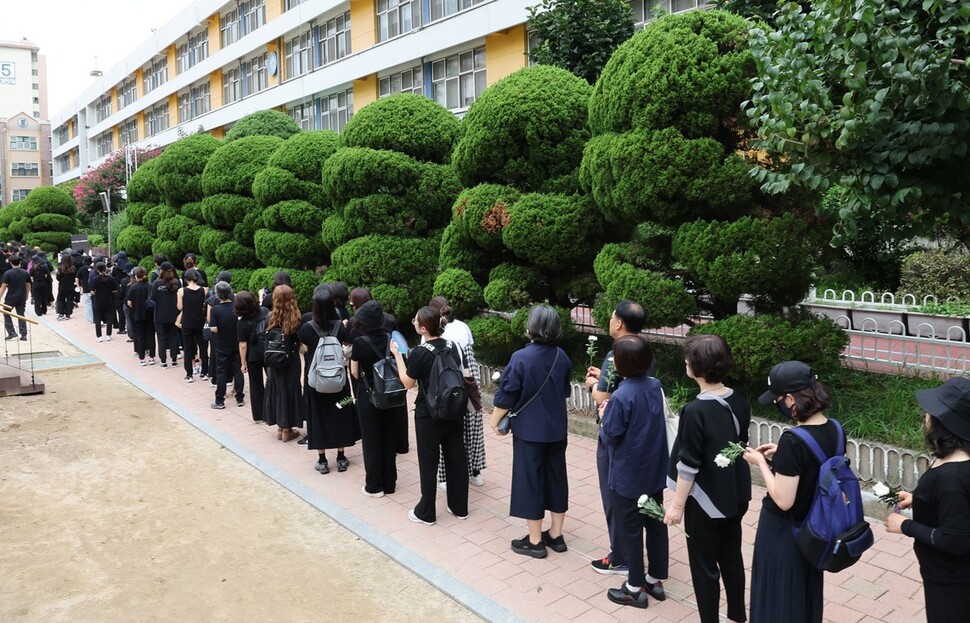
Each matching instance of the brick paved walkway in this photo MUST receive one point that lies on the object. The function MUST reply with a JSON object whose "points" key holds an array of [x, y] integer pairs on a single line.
{"points": [[471, 560]]}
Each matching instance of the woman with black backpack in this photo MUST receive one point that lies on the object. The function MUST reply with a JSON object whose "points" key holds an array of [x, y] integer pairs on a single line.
{"points": [[378, 427], [331, 418], [66, 274], [252, 322]]}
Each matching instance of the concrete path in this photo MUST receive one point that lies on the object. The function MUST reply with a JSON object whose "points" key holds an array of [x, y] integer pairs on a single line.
{"points": [[471, 560]]}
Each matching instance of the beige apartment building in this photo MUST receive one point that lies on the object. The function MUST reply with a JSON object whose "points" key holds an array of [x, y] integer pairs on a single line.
{"points": [[25, 132]]}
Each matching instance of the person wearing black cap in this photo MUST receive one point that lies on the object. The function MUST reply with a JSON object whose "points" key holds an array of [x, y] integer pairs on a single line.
{"points": [[940, 527], [785, 586]]}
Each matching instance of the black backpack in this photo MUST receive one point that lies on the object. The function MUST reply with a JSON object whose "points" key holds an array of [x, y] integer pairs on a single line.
{"points": [[445, 392], [386, 391], [259, 338], [277, 349]]}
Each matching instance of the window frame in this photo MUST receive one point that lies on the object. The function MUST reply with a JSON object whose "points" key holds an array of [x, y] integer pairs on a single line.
{"points": [[447, 73]]}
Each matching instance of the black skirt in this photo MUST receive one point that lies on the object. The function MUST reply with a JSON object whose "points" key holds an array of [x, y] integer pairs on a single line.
{"points": [[283, 397], [784, 586], [327, 425]]}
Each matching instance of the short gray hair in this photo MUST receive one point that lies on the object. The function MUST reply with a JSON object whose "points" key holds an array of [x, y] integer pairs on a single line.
{"points": [[223, 291], [544, 325]]}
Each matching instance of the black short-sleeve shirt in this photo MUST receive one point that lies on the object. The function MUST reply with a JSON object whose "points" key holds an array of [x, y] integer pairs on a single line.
{"points": [[794, 458], [224, 317], [247, 333], [368, 349], [16, 280], [420, 360]]}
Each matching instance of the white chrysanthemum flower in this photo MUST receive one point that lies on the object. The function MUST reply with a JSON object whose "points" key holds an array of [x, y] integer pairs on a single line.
{"points": [[643, 499], [880, 489], [496, 376], [592, 338], [722, 461]]}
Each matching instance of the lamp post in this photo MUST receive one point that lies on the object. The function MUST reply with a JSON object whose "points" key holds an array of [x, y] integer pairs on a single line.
{"points": [[106, 202]]}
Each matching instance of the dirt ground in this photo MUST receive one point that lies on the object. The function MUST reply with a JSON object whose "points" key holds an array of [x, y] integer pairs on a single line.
{"points": [[112, 508]]}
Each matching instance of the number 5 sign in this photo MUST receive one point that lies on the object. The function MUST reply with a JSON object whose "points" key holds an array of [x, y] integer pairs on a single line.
{"points": [[8, 72]]}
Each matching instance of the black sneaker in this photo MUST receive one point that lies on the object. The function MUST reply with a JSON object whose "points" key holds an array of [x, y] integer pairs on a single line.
{"points": [[240, 402], [656, 590], [605, 567], [303, 441], [12, 337], [557, 544], [342, 464], [218, 405], [626, 597], [525, 547], [322, 466]]}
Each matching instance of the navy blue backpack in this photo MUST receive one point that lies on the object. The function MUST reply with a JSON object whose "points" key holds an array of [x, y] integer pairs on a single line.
{"points": [[835, 533]]}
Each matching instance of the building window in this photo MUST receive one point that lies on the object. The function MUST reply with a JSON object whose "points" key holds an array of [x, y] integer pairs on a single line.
{"points": [[645, 11], [201, 104], [61, 135], [156, 74], [457, 80], [229, 28], [231, 86], [255, 77], [24, 169], [182, 58], [35, 86], [19, 194], [34, 72], [336, 109], [396, 17], [252, 15], [407, 81], [298, 52], [127, 93], [103, 110], [334, 39], [156, 119], [185, 107], [194, 51], [21, 123], [302, 114], [105, 144], [444, 8], [28, 143], [290, 4], [128, 133], [33, 57]]}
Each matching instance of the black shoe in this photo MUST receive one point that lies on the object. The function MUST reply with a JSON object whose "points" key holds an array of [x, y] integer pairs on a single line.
{"points": [[527, 548], [303, 441], [322, 466], [656, 590], [626, 597], [218, 405], [557, 544], [342, 464], [23, 338], [12, 337], [240, 402]]}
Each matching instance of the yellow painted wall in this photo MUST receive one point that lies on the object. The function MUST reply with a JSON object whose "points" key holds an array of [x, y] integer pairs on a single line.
{"points": [[271, 47], [114, 100], [365, 91], [116, 137], [140, 83], [215, 89], [173, 110], [363, 16], [140, 117], [505, 52], [219, 133], [212, 24], [71, 129], [274, 8], [170, 56]]}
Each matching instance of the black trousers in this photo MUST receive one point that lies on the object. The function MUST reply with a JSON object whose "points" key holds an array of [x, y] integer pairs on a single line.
{"points": [[121, 321], [227, 362], [65, 302], [436, 438], [103, 315], [616, 556], [714, 552], [401, 425], [143, 333], [379, 438], [629, 524], [20, 308], [193, 344], [257, 385], [167, 340]]}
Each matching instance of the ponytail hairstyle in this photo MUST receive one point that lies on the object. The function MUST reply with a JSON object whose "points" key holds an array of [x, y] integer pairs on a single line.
{"points": [[430, 318], [441, 304], [139, 273], [102, 270]]}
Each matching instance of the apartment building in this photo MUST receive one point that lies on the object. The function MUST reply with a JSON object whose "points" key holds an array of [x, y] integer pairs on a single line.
{"points": [[25, 133], [317, 60]]}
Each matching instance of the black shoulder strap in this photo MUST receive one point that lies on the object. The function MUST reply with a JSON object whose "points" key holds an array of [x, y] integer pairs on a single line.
{"points": [[541, 387], [318, 330]]}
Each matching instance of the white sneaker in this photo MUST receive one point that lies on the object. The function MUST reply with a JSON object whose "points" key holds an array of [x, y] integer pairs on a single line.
{"points": [[417, 519], [461, 517], [478, 480], [443, 486], [364, 490], [107, 339], [100, 339]]}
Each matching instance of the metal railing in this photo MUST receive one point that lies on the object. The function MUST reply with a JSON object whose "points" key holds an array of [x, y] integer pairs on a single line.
{"points": [[17, 359]]}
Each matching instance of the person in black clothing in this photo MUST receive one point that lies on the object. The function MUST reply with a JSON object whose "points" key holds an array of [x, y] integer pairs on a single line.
{"points": [[251, 364], [191, 303], [283, 402], [83, 272], [66, 274], [164, 298], [15, 283], [341, 296], [328, 426], [378, 427], [42, 284], [281, 278], [190, 262], [103, 299], [211, 301], [142, 317], [432, 436], [711, 500], [225, 333], [940, 527]]}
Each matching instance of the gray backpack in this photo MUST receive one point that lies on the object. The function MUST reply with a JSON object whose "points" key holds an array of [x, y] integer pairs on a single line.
{"points": [[328, 368]]}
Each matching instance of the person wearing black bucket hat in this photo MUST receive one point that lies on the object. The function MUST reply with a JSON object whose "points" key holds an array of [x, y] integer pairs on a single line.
{"points": [[784, 585], [940, 527]]}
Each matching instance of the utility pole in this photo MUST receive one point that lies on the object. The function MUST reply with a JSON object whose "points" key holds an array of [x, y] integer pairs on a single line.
{"points": [[106, 202]]}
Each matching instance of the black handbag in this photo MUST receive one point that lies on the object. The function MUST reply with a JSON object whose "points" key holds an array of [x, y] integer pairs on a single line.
{"points": [[505, 424], [386, 391]]}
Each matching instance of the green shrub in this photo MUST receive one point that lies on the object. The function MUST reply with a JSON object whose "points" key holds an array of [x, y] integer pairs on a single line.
{"points": [[409, 263], [511, 286], [53, 222], [224, 211], [188, 239], [457, 250], [759, 342], [173, 227], [263, 123], [298, 216], [407, 123], [462, 291], [395, 300], [662, 176], [388, 214], [576, 288], [494, 339], [50, 200], [244, 232], [292, 251], [939, 273], [18, 228], [361, 171], [156, 215], [666, 302], [232, 167], [14, 210], [304, 281], [639, 87], [210, 240], [303, 154], [553, 231], [525, 129], [274, 184], [170, 249], [434, 194], [136, 211], [483, 212], [142, 186], [134, 240], [49, 241], [193, 211], [334, 232], [570, 337], [234, 254], [178, 170]]}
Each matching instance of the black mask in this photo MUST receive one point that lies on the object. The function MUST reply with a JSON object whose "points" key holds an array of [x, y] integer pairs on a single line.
{"points": [[784, 409]]}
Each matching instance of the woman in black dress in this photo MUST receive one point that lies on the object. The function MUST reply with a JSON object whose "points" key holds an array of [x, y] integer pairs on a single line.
{"points": [[940, 527], [164, 297], [329, 425], [66, 274], [103, 290], [250, 316], [142, 318], [283, 402], [191, 303]]}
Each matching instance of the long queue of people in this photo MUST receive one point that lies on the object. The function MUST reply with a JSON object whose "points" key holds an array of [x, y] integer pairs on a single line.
{"points": [[223, 337]]}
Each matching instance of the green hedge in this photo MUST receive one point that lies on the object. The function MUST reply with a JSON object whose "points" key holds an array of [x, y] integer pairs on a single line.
{"points": [[49, 241], [511, 286], [304, 281], [296, 216], [458, 250], [244, 232], [156, 215], [666, 301], [462, 291], [495, 341], [434, 194], [396, 301], [483, 212], [263, 123], [524, 130], [143, 184], [388, 214], [226, 210], [334, 232], [409, 263], [232, 167], [939, 273], [170, 249], [406, 123], [135, 240], [173, 227], [234, 254], [49, 200], [290, 250], [188, 239], [136, 211], [178, 170], [361, 171], [210, 240], [553, 231], [53, 222], [303, 154], [274, 184]]}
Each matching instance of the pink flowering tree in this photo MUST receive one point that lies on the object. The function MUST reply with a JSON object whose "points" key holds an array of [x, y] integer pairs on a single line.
{"points": [[108, 176]]}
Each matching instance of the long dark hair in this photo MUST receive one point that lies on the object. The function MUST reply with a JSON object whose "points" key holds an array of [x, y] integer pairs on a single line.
{"points": [[324, 311], [66, 266], [245, 305], [941, 441], [168, 276], [102, 271], [431, 319]]}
